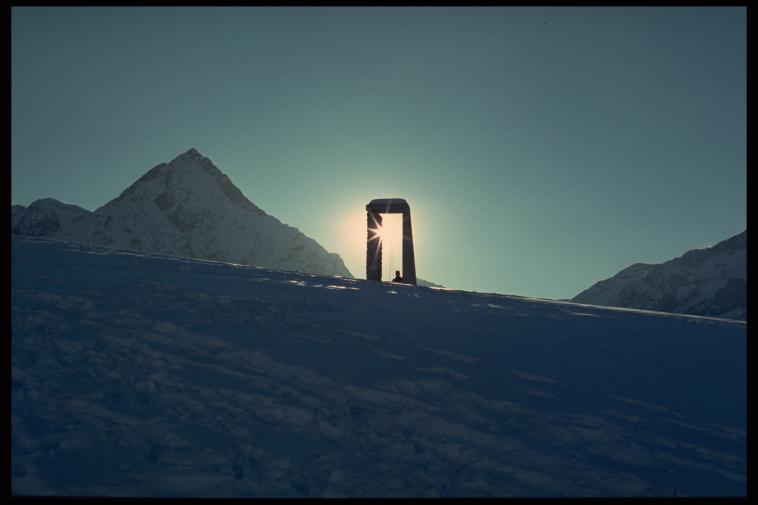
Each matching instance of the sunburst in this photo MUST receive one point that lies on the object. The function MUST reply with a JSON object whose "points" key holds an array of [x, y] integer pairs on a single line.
{"points": [[376, 231]]}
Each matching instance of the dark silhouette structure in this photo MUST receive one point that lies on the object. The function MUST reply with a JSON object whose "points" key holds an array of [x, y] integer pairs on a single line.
{"points": [[398, 277], [374, 211]]}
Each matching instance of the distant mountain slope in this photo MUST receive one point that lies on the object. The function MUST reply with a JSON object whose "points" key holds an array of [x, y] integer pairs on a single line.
{"points": [[189, 208], [427, 284], [16, 212], [46, 217], [708, 282]]}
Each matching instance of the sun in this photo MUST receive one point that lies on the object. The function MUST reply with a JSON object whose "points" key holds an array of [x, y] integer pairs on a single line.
{"points": [[389, 231], [376, 231]]}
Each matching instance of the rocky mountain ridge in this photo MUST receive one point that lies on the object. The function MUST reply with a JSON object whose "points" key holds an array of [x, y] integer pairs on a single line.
{"points": [[706, 282]]}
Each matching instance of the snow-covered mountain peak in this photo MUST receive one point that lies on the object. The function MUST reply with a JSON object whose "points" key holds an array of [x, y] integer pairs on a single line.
{"points": [[192, 159], [43, 202], [190, 153], [189, 181], [188, 207], [47, 203]]}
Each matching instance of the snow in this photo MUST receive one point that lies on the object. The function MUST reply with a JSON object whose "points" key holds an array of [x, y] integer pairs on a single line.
{"points": [[186, 208], [607, 291], [710, 282], [46, 216], [138, 374]]}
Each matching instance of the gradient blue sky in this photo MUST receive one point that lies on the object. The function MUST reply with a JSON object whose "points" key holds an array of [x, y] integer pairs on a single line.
{"points": [[541, 149]]}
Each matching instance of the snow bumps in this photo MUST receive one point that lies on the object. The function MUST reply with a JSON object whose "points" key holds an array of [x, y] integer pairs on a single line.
{"points": [[142, 375]]}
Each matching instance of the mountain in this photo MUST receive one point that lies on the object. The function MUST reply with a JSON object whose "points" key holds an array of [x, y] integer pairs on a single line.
{"points": [[46, 217], [16, 212], [427, 284], [151, 376], [707, 282], [187, 208]]}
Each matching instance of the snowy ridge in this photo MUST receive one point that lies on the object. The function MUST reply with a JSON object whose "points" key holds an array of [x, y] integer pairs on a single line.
{"points": [[709, 282], [427, 284], [46, 217], [189, 208], [142, 375]]}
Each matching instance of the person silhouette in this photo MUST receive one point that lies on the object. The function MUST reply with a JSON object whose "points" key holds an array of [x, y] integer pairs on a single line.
{"points": [[397, 277]]}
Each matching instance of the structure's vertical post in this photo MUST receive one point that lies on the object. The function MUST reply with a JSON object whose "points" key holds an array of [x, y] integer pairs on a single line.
{"points": [[373, 246], [409, 262]]}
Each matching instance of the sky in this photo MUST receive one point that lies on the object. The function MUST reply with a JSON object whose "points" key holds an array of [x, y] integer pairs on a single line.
{"points": [[541, 149]]}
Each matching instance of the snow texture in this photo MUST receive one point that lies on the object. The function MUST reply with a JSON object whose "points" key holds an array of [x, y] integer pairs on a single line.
{"points": [[708, 282], [144, 375]]}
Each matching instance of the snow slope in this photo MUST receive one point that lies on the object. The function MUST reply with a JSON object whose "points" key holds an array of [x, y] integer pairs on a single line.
{"points": [[189, 208], [708, 282], [147, 375]]}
